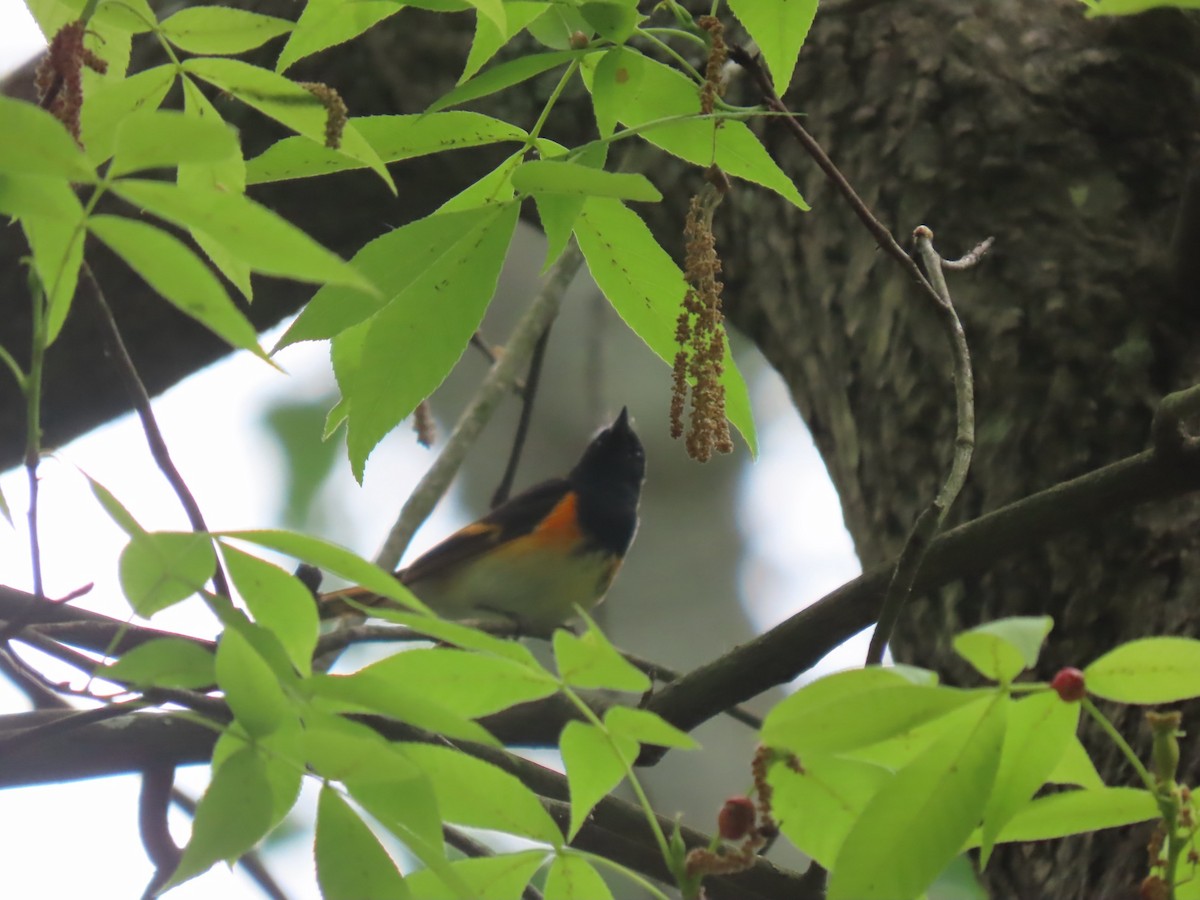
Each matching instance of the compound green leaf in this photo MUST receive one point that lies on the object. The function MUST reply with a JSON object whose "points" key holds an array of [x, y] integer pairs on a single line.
{"points": [[175, 272], [160, 138], [779, 28], [500, 877], [477, 794], [414, 341], [919, 820], [571, 877], [595, 765], [158, 569], [221, 30], [351, 863], [113, 101], [44, 146], [232, 816], [165, 662], [470, 684], [545, 176], [1003, 649], [393, 137], [327, 23], [286, 102], [251, 687], [504, 76], [250, 232], [278, 602], [1152, 670], [590, 661]]}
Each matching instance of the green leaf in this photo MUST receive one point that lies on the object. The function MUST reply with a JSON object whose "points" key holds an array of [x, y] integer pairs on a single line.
{"points": [[402, 800], [470, 684], [417, 705], [489, 38], [616, 77], [220, 30], [113, 101], [854, 710], [45, 147], [494, 10], [175, 272], [232, 816], [477, 794], [779, 28], [558, 25], [590, 661], [335, 559], [116, 511], [285, 102], [279, 602], [1130, 7], [500, 877], [817, 806], [1039, 729], [351, 863], [57, 245], [158, 569], [646, 727], [250, 685], [663, 93], [1076, 767], [402, 264], [38, 196], [464, 636], [547, 176], [415, 340], [595, 765], [158, 138], [165, 662], [327, 23], [492, 190], [393, 138], [1003, 649], [614, 20], [1078, 812], [646, 289], [571, 877], [252, 233], [902, 748], [505, 75], [917, 822], [1151, 671], [282, 753], [228, 175]]}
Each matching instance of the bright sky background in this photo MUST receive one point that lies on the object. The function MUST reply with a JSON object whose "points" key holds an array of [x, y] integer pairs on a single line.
{"points": [[81, 839]]}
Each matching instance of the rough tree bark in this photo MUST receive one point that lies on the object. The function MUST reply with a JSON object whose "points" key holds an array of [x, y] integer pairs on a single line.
{"points": [[1067, 139]]}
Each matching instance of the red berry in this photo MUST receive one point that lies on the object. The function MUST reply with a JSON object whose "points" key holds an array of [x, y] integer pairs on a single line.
{"points": [[1069, 686], [736, 818]]}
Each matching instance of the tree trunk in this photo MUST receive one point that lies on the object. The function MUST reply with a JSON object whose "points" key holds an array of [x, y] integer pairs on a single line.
{"points": [[1069, 141]]}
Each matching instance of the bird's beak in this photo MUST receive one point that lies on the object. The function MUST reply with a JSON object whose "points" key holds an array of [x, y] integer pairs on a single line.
{"points": [[622, 419]]}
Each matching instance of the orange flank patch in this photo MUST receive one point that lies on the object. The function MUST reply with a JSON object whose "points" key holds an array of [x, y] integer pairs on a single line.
{"points": [[561, 526]]}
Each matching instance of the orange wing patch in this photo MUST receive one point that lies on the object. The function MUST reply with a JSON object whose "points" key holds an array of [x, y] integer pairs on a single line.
{"points": [[561, 525]]}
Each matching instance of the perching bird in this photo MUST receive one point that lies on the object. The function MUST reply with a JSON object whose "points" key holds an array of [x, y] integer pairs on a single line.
{"points": [[533, 560]]}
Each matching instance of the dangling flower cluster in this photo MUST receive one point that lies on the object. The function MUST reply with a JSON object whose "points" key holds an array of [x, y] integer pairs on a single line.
{"points": [[424, 425], [335, 111], [700, 332], [717, 54], [740, 819], [59, 76]]}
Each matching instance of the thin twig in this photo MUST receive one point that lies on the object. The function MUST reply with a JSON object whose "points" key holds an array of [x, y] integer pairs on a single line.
{"points": [[658, 672], [40, 694], [154, 436], [750, 62], [929, 522], [530, 394], [477, 414]]}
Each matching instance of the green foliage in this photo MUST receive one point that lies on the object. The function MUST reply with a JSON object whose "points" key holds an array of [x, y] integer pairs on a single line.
{"points": [[883, 776]]}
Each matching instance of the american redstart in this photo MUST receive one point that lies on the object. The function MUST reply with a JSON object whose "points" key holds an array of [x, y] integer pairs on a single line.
{"points": [[532, 560]]}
